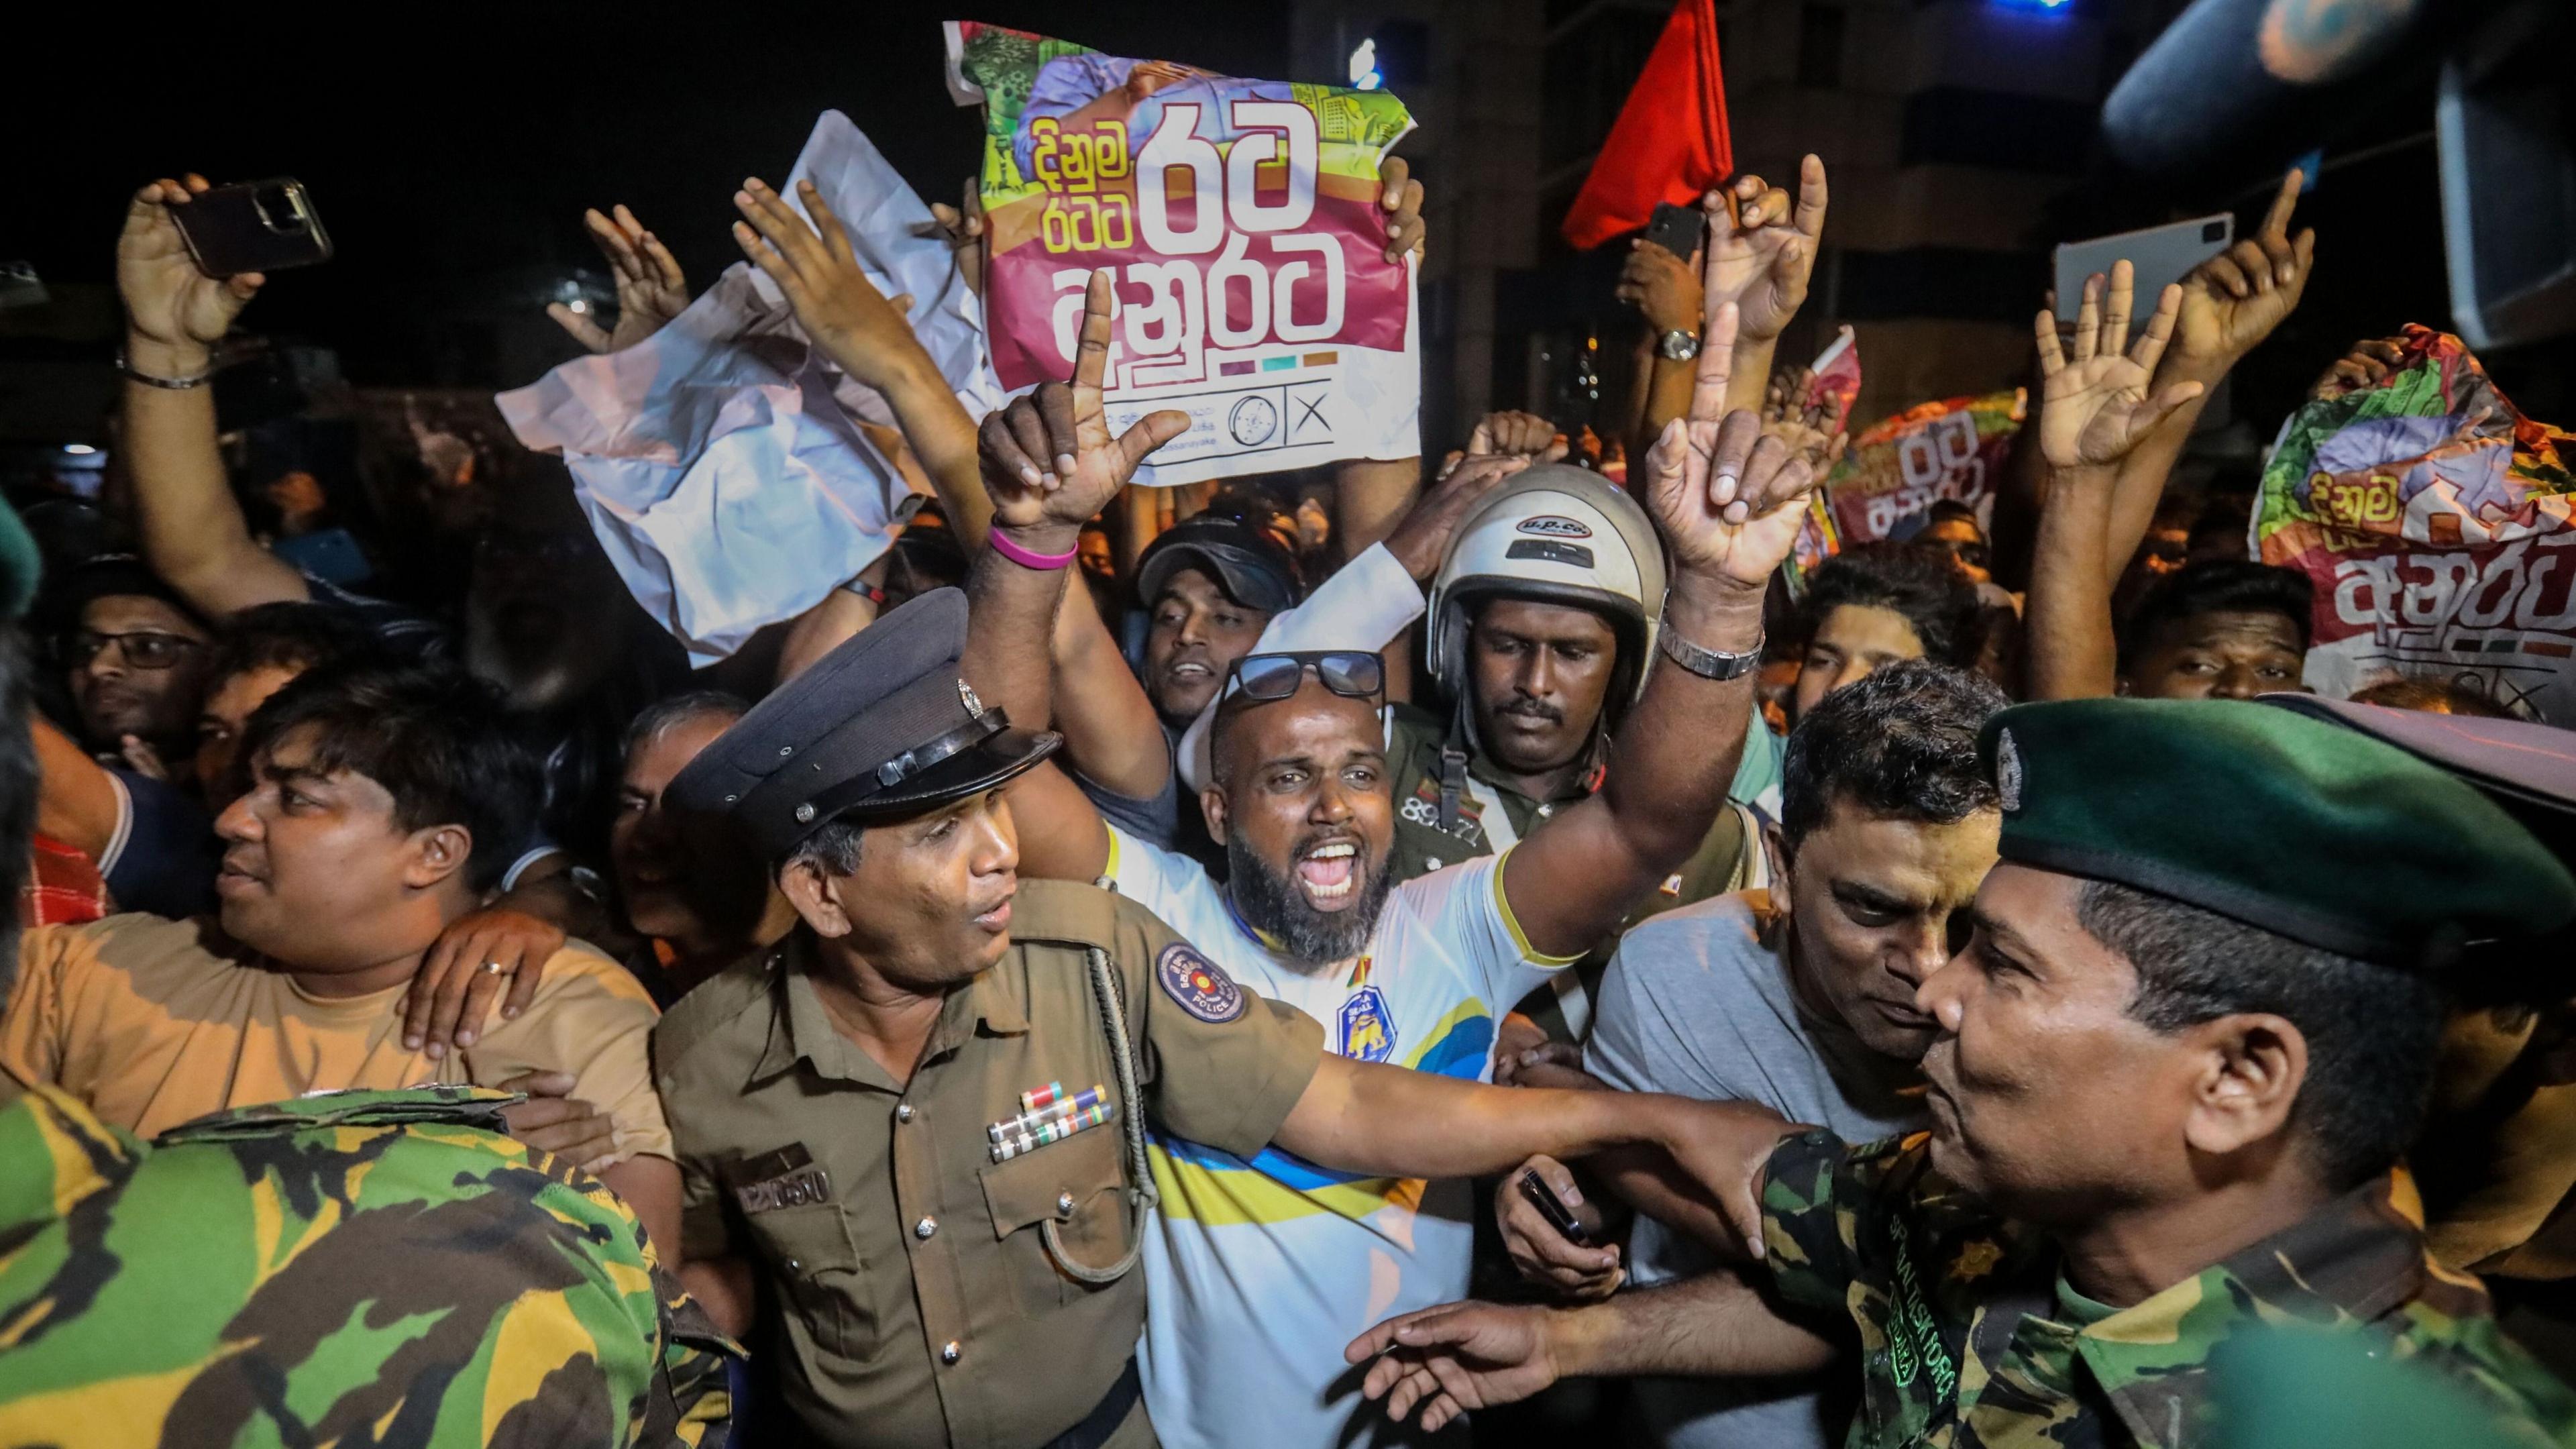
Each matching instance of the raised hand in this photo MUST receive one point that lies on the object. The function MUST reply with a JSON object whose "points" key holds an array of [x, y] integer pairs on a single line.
{"points": [[963, 226], [172, 310], [1517, 434], [1454, 1359], [842, 312], [1792, 413], [1664, 287], [2367, 365], [1400, 197], [1048, 458], [2094, 406], [1763, 248], [1728, 496], [1421, 538], [2233, 301], [650, 287]]}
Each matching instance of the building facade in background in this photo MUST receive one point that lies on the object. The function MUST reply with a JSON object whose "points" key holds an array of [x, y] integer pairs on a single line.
{"points": [[1950, 129]]}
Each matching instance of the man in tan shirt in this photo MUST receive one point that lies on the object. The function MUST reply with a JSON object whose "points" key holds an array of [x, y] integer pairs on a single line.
{"points": [[384, 802]]}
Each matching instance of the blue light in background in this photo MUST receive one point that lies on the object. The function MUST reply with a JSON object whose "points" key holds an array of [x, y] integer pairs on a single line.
{"points": [[2044, 7]]}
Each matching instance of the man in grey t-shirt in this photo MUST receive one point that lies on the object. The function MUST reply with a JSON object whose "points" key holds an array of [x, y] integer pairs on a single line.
{"points": [[1799, 998]]}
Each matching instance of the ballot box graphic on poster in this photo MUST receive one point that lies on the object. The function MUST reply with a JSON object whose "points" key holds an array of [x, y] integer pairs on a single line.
{"points": [[1241, 224], [2435, 521], [1894, 472]]}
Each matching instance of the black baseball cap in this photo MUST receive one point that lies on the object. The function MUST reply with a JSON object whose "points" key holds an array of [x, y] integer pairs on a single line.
{"points": [[1245, 559]]}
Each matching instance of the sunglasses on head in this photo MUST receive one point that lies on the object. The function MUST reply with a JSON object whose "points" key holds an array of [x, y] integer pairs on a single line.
{"points": [[1348, 673]]}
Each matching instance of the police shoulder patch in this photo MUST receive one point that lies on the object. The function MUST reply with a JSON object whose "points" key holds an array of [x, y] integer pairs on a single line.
{"points": [[1198, 985]]}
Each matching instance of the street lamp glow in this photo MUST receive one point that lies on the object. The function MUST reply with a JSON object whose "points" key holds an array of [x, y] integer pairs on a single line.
{"points": [[1363, 67]]}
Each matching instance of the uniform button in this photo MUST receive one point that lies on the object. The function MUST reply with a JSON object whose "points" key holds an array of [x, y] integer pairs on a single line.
{"points": [[1064, 1204], [925, 1227], [903, 1113], [949, 1352], [1431, 863], [793, 1266], [1545, 811]]}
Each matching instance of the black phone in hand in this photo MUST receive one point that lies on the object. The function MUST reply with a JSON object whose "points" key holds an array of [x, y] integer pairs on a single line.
{"points": [[1558, 1215]]}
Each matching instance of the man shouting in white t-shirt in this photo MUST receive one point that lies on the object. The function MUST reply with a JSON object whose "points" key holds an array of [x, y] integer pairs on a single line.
{"points": [[1260, 1268]]}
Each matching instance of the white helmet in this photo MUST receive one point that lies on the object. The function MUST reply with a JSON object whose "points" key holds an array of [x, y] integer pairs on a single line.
{"points": [[1557, 534]]}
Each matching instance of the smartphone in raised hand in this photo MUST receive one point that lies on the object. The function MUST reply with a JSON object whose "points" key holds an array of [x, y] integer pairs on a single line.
{"points": [[2157, 254], [1676, 229], [253, 226]]}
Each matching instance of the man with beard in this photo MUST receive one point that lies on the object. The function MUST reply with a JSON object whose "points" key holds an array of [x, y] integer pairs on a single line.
{"points": [[1799, 997], [2176, 1064], [1256, 1260]]}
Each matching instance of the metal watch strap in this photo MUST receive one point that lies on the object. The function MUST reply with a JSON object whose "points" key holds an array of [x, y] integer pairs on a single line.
{"points": [[1707, 663], [1678, 345]]}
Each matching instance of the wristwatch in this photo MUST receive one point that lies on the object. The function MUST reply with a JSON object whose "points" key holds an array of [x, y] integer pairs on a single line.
{"points": [[1678, 345], [1707, 663]]}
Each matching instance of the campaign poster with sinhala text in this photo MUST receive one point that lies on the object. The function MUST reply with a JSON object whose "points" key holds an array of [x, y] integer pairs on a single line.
{"points": [[1240, 221]]}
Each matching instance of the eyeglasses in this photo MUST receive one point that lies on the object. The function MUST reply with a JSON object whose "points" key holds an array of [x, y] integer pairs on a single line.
{"points": [[142, 648], [1348, 673]]}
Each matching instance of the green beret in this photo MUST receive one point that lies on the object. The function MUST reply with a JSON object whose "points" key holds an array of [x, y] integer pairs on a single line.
{"points": [[2320, 834]]}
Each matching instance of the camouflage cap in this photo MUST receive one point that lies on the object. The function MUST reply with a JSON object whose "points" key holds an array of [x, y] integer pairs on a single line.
{"points": [[2316, 833]]}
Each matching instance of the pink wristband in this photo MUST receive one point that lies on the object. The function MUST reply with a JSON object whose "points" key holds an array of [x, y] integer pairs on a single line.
{"points": [[1027, 560]]}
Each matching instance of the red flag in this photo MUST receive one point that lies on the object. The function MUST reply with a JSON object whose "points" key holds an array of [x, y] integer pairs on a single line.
{"points": [[1670, 142]]}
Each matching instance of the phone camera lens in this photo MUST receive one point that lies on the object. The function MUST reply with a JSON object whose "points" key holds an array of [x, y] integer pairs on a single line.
{"points": [[277, 209], [2214, 231]]}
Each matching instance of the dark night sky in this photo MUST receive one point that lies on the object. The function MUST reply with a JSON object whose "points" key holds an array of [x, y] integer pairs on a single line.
{"points": [[454, 149], [446, 149]]}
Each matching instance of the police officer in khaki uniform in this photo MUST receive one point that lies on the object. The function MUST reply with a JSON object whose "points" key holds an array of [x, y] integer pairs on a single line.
{"points": [[920, 1118]]}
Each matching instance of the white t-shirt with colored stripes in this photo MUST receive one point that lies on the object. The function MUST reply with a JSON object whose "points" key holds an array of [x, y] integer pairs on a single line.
{"points": [[1260, 1270]]}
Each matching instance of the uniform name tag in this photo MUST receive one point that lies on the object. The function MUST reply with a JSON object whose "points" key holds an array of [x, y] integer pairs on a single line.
{"points": [[788, 1177]]}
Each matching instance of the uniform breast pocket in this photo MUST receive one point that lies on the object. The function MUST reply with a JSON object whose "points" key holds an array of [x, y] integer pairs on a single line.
{"points": [[1075, 1187], [816, 1266]]}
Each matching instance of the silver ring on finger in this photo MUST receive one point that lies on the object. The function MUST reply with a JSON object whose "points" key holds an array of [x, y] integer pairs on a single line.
{"points": [[493, 968]]}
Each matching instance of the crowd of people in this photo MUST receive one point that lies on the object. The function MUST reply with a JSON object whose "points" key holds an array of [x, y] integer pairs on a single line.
{"points": [[1392, 940]]}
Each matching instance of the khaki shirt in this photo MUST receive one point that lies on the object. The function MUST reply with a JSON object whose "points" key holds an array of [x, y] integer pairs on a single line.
{"points": [[152, 1023], [926, 1244]]}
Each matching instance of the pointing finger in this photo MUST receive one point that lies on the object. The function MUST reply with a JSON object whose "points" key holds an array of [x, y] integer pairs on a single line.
{"points": [[2276, 222], [1091, 357]]}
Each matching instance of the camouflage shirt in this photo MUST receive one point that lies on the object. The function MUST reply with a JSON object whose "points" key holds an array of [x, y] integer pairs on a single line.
{"points": [[1968, 1339], [378, 1268]]}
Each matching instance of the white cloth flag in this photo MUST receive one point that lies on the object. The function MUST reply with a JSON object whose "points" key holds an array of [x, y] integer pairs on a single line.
{"points": [[718, 459]]}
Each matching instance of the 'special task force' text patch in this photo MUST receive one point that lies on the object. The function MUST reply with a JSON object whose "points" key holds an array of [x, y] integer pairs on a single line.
{"points": [[1197, 985]]}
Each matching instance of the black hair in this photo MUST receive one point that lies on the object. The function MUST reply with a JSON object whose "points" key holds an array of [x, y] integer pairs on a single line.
{"points": [[1900, 744], [2218, 586], [1944, 510], [662, 714], [18, 791], [2434, 696], [2371, 1031], [436, 739], [291, 635], [1909, 579]]}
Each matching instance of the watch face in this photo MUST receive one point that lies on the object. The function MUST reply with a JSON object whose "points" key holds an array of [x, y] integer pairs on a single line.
{"points": [[1679, 346]]}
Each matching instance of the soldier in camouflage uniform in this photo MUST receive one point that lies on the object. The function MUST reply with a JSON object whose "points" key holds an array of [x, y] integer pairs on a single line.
{"points": [[2193, 1032], [351, 1268]]}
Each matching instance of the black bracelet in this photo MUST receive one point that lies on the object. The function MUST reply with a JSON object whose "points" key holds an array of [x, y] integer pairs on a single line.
{"points": [[171, 384], [1718, 664]]}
